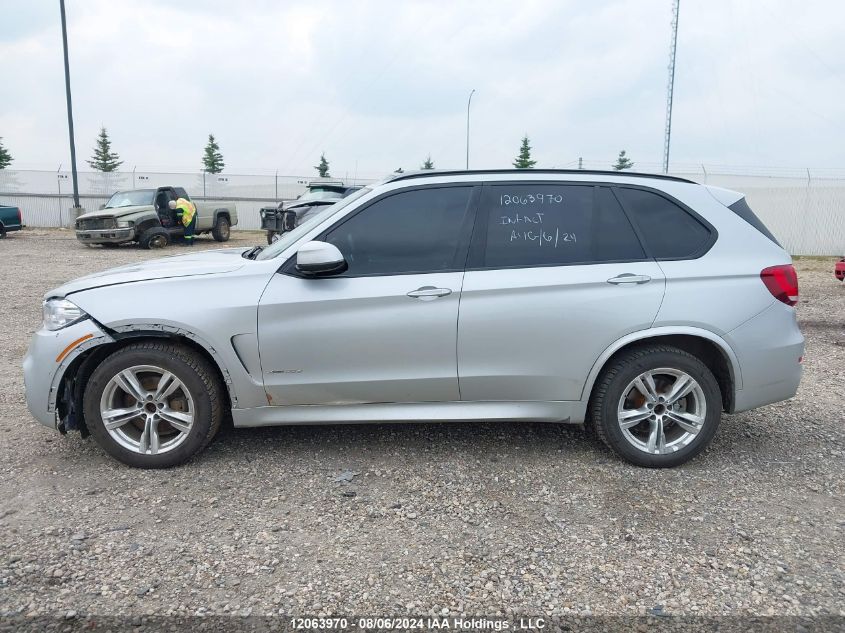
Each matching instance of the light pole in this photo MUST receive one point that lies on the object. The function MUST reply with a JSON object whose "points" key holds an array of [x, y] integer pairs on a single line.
{"points": [[468, 102], [670, 89], [69, 109]]}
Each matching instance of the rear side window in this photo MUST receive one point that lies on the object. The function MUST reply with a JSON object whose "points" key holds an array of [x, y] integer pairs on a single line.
{"points": [[741, 208], [669, 231], [412, 231], [547, 225]]}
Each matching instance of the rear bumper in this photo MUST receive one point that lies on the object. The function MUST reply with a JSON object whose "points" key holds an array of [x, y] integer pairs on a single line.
{"points": [[769, 348], [100, 236]]}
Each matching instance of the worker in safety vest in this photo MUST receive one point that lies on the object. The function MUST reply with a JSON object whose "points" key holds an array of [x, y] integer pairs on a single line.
{"points": [[186, 212]]}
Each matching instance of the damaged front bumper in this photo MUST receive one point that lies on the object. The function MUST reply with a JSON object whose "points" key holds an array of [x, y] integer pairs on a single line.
{"points": [[106, 236], [50, 354]]}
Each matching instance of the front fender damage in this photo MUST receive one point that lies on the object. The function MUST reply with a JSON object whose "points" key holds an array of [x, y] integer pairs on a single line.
{"points": [[73, 377], [65, 394]]}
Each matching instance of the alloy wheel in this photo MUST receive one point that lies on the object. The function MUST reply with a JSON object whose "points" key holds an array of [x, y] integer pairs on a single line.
{"points": [[147, 409], [661, 411]]}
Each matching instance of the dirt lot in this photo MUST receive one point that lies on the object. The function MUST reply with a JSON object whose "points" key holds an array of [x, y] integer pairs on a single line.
{"points": [[449, 518]]}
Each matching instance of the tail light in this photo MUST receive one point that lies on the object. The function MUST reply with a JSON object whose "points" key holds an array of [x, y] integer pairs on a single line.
{"points": [[20, 217], [782, 282]]}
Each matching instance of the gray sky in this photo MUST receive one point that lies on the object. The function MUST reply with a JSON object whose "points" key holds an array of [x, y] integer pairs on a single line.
{"points": [[379, 85]]}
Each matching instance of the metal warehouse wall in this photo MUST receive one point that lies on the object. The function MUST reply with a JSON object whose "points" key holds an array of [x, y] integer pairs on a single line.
{"points": [[804, 209]]}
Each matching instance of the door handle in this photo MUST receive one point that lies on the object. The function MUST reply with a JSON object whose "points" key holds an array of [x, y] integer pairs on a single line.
{"points": [[629, 278], [427, 293]]}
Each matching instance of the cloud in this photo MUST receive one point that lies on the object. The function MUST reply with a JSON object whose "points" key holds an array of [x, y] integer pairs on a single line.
{"points": [[378, 85]]}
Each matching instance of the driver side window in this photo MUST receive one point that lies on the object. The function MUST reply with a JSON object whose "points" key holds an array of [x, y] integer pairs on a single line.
{"points": [[414, 231]]}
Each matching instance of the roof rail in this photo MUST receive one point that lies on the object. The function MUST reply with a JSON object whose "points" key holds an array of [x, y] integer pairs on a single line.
{"points": [[460, 172]]}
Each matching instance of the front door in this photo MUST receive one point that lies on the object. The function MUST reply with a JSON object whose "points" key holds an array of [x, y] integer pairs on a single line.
{"points": [[386, 329], [556, 275]]}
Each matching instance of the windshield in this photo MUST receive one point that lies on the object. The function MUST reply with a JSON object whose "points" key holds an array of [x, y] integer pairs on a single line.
{"points": [[130, 198], [319, 195], [292, 236]]}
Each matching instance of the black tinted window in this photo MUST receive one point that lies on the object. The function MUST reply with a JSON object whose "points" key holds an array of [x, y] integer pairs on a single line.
{"points": [[413, 231], [544, 225], [741, 208], [668, 230]]}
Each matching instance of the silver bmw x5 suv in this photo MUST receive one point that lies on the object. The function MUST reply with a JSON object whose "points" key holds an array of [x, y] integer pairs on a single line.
{"points": [[641, 305]]}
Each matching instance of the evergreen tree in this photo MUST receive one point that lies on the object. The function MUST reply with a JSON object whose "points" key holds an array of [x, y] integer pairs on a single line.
{"points": [[5, 156], [104, 159], [212, 159], [623, 162], [523, 161], [323, 167], [428, 164]]}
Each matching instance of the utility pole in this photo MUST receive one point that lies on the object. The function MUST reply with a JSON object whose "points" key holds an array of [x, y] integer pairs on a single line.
{"points": [[69, 110], [468, 102], [671, 87]]}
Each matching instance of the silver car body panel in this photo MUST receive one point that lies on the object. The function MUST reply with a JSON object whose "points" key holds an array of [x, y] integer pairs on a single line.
{"points": [[506, 344], [407, 345], [533, 334], [408, 412]]}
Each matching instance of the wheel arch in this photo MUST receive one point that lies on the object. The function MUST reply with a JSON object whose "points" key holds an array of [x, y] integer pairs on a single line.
{"points": [[145, 224], [708, 347], [224, 212], [79, 369]]}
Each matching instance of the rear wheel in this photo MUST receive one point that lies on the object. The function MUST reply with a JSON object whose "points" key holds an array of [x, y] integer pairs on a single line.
{"points": [[155, 237], [222, 229], [656, 406], [2, 231], [153, 405], [272, 237]]}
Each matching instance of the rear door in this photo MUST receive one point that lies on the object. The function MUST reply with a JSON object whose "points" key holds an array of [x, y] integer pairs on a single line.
{"points": [[556, 274]]}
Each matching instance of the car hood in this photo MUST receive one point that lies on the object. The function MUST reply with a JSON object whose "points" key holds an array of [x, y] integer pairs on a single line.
{"points": [[115, 212], [202, 263]]}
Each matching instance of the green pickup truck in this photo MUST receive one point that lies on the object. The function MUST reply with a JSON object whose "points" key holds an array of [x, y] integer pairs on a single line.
{"points": [[143, 216], [10, 220]]}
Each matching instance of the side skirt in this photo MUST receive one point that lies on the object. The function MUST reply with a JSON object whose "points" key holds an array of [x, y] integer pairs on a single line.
{"points": [[571, 412]]}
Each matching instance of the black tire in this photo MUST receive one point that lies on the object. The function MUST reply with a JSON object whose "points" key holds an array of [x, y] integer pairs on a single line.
{"points": [[195, 373], [155, 237], [2, 231], [271, 237], [603, 418], [222, 229]]}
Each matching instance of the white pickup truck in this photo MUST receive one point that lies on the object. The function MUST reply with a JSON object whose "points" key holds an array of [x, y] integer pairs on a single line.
{"points": [[143, 216]]}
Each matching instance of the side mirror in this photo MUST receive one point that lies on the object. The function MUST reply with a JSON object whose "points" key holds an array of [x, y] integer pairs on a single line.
{"points": [[320, 258], [102, 206]]}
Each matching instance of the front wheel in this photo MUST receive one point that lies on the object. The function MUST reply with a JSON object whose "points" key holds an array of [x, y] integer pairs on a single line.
{"points": [[656, 406], [222, 229], [2, 231], [155, 237], [153, 405]]}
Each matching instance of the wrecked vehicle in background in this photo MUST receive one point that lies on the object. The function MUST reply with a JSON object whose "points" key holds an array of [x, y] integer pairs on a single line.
{"points": [[288, 215], [143, 216]]}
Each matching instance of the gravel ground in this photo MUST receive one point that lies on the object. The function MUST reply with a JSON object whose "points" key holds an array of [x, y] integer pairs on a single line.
{"points": [[421, 519]]}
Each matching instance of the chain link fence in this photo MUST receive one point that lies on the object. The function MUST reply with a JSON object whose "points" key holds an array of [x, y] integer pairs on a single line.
{"points": [[46, 197], [804, 208]]}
